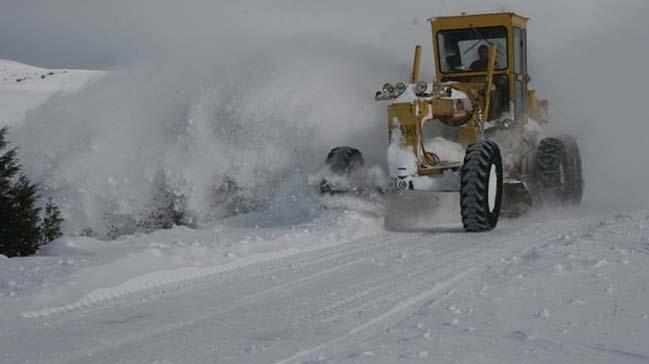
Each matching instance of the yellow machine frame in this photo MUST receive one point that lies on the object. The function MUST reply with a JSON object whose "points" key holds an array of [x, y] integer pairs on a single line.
{"points": [[475, 128], [410, 116]]}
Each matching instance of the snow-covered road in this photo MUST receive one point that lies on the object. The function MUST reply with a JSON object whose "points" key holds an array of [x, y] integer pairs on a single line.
{"points": [[562, 289]]}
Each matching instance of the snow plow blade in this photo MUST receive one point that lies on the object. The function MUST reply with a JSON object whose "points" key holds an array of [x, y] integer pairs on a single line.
{"points": [[423, 211]]}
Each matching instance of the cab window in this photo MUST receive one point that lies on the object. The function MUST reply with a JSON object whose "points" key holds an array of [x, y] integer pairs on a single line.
{"points": [[518, 51], [463, 50], [520, 84]]}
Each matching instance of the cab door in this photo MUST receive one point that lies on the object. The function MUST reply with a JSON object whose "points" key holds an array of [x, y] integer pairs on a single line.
{"points": [[520, 73]]}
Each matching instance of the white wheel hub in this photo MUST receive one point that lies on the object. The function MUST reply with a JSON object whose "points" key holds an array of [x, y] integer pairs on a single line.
{"points": [[492, 190]]}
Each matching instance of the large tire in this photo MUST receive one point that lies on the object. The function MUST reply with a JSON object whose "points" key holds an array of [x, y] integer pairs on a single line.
{"points": [[558, 171], [481, 186], [341, 161]]}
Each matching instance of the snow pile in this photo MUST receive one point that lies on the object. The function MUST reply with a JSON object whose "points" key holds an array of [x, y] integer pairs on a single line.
{"points": [[401, 159], [445, 149]]}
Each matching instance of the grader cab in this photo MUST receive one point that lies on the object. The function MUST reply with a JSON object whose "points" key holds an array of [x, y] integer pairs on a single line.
{"points": [[470, 129]]}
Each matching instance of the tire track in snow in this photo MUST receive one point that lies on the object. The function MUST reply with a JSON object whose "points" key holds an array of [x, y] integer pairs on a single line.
{"points": [[396, 309], [383, 248], [468, 262], [370, 290], [406, 289], [185, 278], [164, 278], [360, 294], [455, 272]]}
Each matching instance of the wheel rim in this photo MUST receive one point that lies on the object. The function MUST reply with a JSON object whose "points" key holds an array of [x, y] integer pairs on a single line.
{"points": [[493, 188]]}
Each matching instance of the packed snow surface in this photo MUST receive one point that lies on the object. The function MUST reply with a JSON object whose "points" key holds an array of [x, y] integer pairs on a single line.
{"points": [[553, 287]]}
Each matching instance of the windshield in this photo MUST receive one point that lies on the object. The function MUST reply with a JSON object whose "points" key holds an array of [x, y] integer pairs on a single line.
{"points": [[467, 50]]}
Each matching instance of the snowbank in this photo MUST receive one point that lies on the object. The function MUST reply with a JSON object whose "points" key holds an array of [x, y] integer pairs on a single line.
{"points": [[73, 274]]}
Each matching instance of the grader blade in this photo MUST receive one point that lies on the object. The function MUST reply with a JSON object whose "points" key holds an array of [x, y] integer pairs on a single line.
{"points": [[423, 211]]}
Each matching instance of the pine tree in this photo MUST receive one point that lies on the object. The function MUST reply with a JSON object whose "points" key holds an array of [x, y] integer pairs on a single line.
{"points": [[52, 221], [26, 220], [8, 170], [20, 224]]}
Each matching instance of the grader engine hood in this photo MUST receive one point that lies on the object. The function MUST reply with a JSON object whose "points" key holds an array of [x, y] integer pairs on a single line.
{"points": [[407, 156], [450, 105], [458, 105]]}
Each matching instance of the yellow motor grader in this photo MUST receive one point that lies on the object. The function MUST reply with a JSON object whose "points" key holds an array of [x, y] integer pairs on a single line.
{"points": [[475, 129]]}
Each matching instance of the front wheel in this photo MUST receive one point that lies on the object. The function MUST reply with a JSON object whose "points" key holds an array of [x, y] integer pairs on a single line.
{"points": [[481, 186], [342, 163]]}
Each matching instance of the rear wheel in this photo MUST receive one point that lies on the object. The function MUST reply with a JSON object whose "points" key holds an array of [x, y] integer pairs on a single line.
{"points": [[341, 161], [558, 171], [481, 186]]}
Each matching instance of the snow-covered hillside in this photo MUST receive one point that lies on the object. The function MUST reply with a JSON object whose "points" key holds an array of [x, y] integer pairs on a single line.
{"points": [[23, 87]]}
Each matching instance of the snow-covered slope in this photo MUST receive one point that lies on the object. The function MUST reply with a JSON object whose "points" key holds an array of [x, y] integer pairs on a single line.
{"points": [[23, 87]]}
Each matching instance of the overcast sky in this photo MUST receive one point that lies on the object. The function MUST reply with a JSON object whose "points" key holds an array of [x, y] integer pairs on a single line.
{"points": [[103, 33]]}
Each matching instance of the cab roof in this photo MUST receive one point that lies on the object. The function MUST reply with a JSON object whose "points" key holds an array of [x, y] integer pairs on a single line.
{"points": [[478, 20]]}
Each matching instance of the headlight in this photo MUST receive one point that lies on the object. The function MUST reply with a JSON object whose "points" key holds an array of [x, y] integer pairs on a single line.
{"points": [[437, 87], [400, 88], [388, 89], [421, 87]]}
